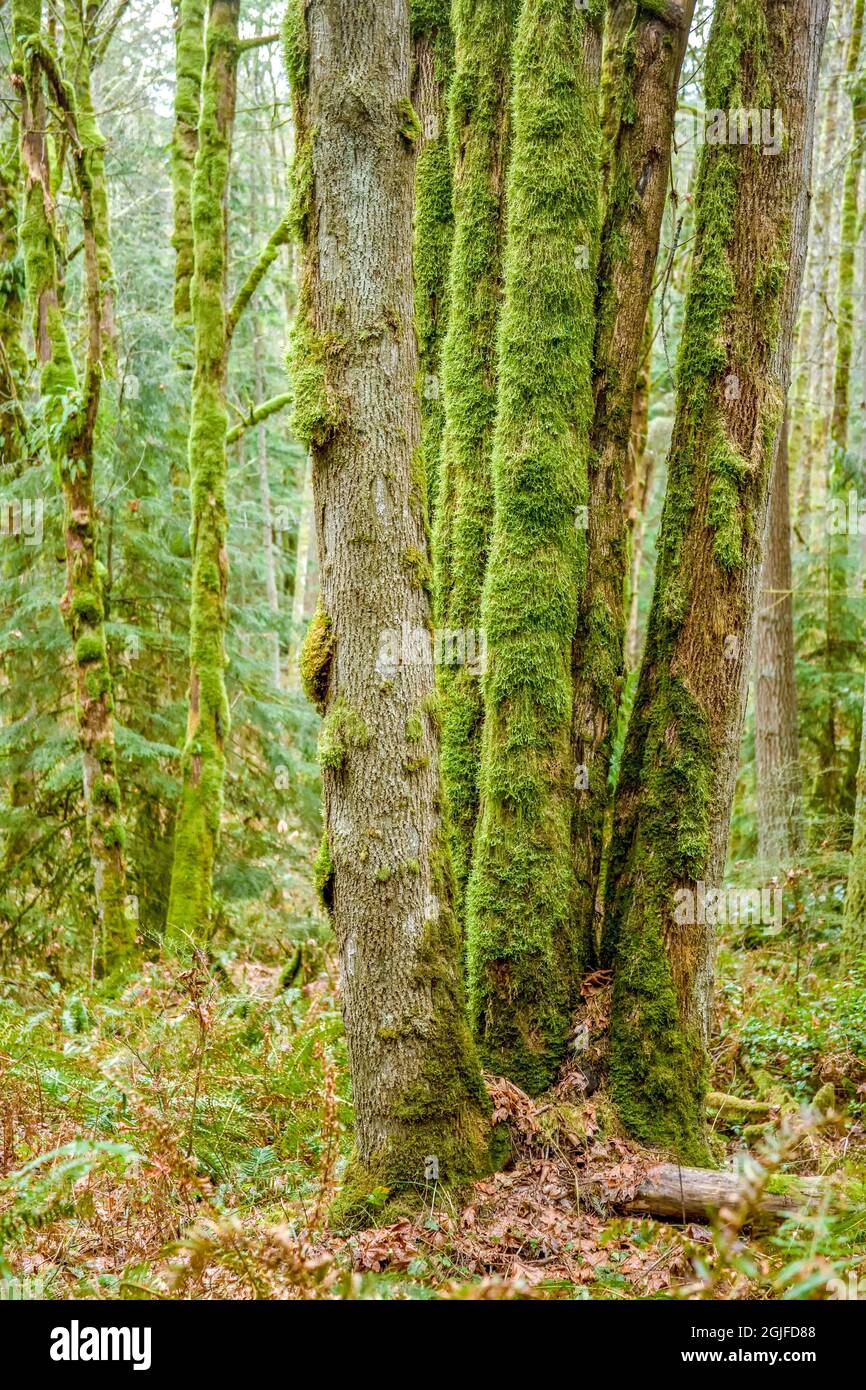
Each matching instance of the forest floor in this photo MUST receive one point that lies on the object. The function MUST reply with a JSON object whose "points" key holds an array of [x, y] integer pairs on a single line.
{"points": [[182, 1135]]}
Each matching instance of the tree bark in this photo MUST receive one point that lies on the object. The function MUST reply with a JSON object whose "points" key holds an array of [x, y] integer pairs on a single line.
{"points": [[203, 759], [777, 742], [673, 801], [524, 957], [419, 1102], [641, 83], [480, 121]]}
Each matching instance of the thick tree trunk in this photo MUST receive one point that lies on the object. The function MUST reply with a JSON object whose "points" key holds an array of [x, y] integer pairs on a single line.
{"points": [[433, 57], [189, 65], [524, 957], [82, 603], [673, 802], [203, 759], [420, 1107], [641, 104], [480, 123], [777, 743]]}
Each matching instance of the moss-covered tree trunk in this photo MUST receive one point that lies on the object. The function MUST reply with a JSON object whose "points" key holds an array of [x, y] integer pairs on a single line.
{"points": [[480, 121], [524, 957], [854, 920], [640, 86], [203, 760], [851, 231], [368, 657], [432, 55], [777, 742], [638, 485], [189, 66], [79, 58], [71, 410], [673, 801], [13, 360]]}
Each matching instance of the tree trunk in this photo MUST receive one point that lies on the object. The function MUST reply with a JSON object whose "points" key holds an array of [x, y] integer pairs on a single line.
{"points": [[854, 920], [673, 802], [849, 233], [268, 546], [777, 743], [420, 1107], [641, 104], [203, 759], [480, 121], [13, 359], [524, 957], [189, 65], [638, 487], [82, 603], [433, 56]]}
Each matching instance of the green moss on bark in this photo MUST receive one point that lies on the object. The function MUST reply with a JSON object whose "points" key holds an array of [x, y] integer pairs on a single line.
{"points": [[189, 64], [203, 758], [316, 656], [673, 797], [480, 138], [434, 220], [524, 958]]}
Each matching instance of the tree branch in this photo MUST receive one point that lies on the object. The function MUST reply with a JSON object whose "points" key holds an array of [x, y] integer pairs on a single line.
{"points": [[256, 416], [278, 238], [244, 45]]}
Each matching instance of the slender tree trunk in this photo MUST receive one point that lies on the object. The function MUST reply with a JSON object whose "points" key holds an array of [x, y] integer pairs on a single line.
{"points": [[480, 121], [777, 744], [82, 603], [638, 486], [854, 920], [13, 360], [420, 1107], [849, 232], [203, 760], [79, 55], [524, 957], [673, 802], [265, 499], [189, 65], [639, 123], [433, 56]]}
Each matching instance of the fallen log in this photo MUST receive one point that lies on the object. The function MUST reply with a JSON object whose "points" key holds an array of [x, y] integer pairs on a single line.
{"points": [[697, 1194]]}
